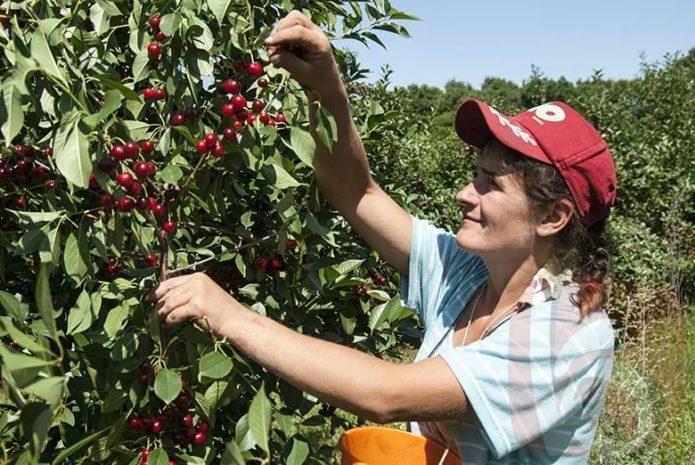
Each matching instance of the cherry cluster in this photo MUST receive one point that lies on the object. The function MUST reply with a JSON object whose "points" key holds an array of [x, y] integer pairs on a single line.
{"points": [[25, 171], [175, 424], [130, 193], [272, 265]]}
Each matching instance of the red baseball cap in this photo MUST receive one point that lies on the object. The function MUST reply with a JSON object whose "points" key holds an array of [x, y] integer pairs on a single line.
{"points": [[552, 133]]}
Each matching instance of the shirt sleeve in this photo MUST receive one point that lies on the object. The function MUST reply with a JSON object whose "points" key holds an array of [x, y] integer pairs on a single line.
{"points": [[435, 261], [531, 375]]}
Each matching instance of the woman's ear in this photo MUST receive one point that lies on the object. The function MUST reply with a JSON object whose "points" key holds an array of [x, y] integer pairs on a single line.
{"points": [[559, 215]]}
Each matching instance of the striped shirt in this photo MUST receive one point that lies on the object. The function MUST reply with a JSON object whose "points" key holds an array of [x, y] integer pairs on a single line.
{"points": [[536, 383]]}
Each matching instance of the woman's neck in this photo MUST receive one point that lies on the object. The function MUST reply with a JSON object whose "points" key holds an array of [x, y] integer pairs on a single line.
{"points": [[508, 279]]}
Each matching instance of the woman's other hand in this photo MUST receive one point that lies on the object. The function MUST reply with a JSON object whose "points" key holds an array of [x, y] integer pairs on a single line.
{"points": [[196, 297], [302, 48]]}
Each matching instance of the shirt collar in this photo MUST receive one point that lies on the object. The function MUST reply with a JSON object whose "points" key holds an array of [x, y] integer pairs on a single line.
{"points": [[545, 286]]}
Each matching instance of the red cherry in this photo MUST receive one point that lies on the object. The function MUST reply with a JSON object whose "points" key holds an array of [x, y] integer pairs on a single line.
{"points": [[264, 118], [141, 169], [276, 264], [169, 227], [118, 152], [145, 366], [144, 378], [106, 200], [260, 263], [231, 86], [238, 65], [210, 139], [151, 260], [20, 202], [126, 204], [228, 109], [218, 150], [135, 188], [201, 146], [48, 152], [132, 149], [149, 93], [242, 115], [238, 101], [107, 165], [199, 438], [160, 93], [135, 423], [155, 21], [280, 119], [203, 427], [159, 210], [271, 123], [250, 120], [159, 36], [172, 462], [23, 166], [39, 171], [93, 182], [262, 82], [124, 178], [187, 420], [145, 453], [151, 169], [291, 244], [153, 202], [238, 126], [178, 119], [190, 114], [147, 146], [154, 49], [380, 279], [254, 69], [142, 204], [257, 105], [50, 184], [229, 134]]}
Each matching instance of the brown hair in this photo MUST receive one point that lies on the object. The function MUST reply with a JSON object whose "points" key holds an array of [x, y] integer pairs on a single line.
{"points": [[583, 250]]}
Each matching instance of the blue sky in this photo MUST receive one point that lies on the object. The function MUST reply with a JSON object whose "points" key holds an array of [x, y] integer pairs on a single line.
{"points": [[469, 40]]}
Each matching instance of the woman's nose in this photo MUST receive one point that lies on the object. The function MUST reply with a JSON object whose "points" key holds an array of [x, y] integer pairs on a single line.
{"points": [[467, 195]]}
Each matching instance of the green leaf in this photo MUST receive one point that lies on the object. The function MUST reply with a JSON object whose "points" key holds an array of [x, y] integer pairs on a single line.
{"points": [[14, 112], [114, 320], [232, 454], [167, 385], [215, 365], [22, 339], [127, 92], [112, 102], [299, 452], [49, 389], [259, 418], [279, 177], [11, 305], [37, 217], [326, 128], [158, 457], [71, 154], [36, 420], [16, 362], [74, 257], [44, 301], [171, 174], [80, 317], [140, 66], [303, 145], [41, 52], [79, 445], [219, 8]]}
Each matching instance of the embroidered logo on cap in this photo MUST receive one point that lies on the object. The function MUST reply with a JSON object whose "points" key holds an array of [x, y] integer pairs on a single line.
{"points": [[517, 130]]}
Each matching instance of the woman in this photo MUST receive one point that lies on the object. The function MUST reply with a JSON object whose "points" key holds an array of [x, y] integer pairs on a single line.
{"points": [[517, 352]]}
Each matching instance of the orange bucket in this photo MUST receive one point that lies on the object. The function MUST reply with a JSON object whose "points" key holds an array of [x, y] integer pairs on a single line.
{"points": [[373, 445]]}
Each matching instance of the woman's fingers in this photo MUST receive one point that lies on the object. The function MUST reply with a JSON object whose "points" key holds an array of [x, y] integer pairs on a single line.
{"points": [[310, 40], [293, 18], [172, 301]]}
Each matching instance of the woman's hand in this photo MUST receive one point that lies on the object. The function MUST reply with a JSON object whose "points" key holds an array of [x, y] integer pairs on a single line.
{"points": [[196, 297], [301, 47]]}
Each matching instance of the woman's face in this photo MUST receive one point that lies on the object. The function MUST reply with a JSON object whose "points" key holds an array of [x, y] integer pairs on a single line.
{"points": [[497, 220]]}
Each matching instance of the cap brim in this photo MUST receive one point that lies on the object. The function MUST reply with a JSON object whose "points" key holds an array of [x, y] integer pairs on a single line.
{"points": [[477, 123]]}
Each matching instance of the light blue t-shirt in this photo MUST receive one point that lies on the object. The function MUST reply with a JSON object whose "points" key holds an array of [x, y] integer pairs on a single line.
{"points": [[536, 383]]}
